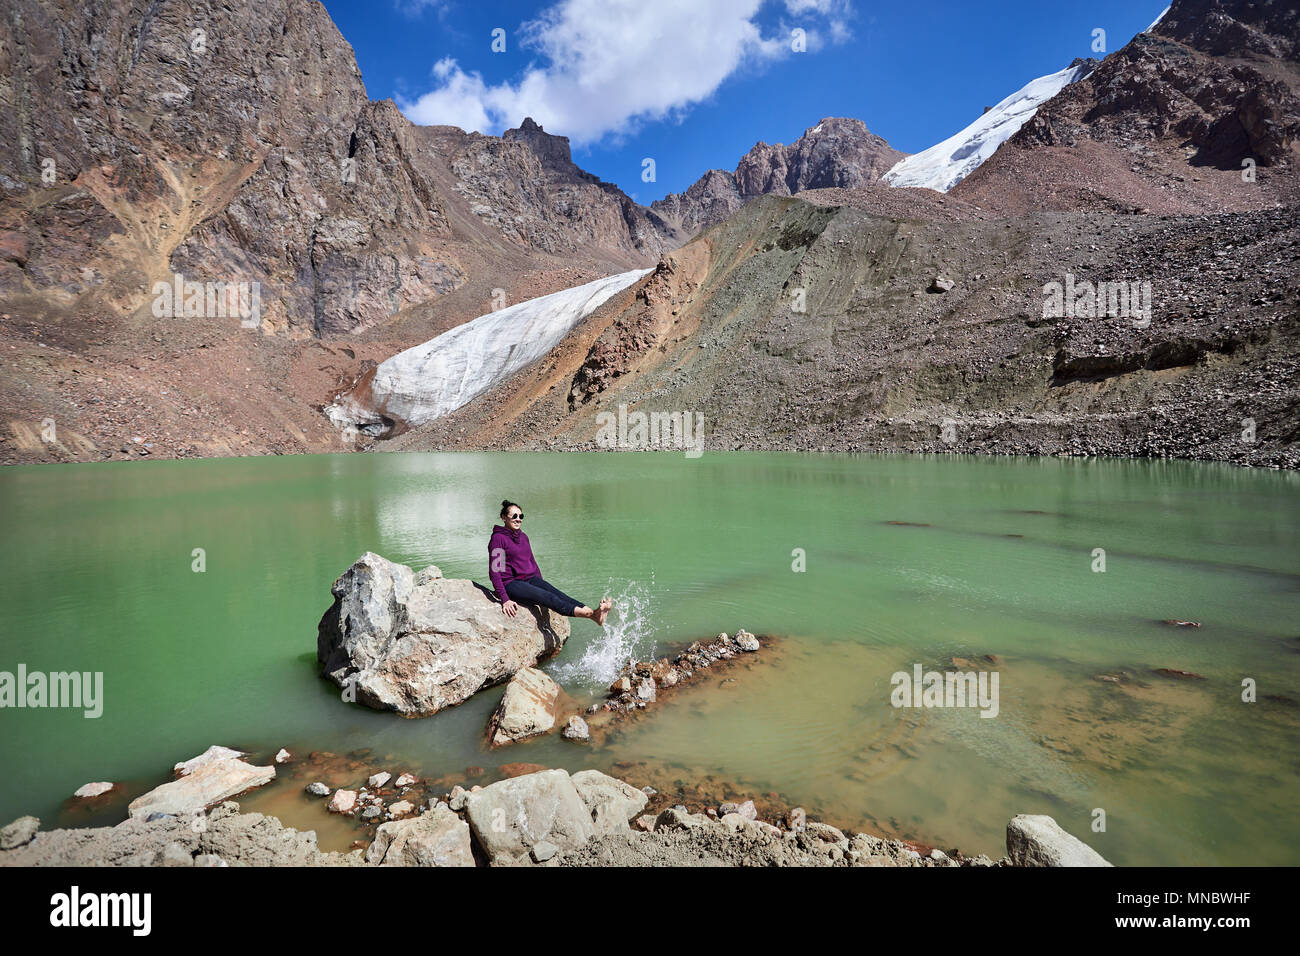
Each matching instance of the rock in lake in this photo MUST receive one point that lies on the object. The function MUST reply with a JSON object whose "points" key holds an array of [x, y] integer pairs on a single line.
{"points": [[1038, 840], [416, 643], [576, 729], [186, 767], [205, 783], [89, 790], [528, 708]]}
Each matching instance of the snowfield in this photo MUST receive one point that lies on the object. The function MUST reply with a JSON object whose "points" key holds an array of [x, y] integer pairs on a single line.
{"points": [[945, 164], [429, 380]]}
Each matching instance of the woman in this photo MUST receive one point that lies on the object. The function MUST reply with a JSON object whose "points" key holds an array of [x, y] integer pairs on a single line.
{"points": [[516, 577]]}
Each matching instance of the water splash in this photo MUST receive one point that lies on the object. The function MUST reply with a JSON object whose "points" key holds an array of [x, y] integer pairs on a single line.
{"points": [[628, 633]]}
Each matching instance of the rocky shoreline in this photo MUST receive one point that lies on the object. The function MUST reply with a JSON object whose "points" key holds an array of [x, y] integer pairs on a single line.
{"points": [[537, 817]]}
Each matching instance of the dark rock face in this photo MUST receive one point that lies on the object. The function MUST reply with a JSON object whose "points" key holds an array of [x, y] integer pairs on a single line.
{"points": [[235, 142], [1214, 86], [836, 153]]}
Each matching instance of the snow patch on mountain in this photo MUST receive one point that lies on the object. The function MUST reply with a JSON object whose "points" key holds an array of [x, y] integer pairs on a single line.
{"points": [[441, 375], [945, 164]]}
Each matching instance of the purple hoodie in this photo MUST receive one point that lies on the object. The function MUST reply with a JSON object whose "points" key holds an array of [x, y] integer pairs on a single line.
{"points": [[518, 563]]}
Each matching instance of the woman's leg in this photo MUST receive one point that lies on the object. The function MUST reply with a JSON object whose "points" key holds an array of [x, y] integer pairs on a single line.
{"points": [[531, 592], [580, 610]]}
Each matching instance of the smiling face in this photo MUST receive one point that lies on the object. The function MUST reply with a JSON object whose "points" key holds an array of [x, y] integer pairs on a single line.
{"points": [[514, 518]]}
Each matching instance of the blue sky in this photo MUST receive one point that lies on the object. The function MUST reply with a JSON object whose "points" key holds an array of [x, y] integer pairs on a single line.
{"points": [[694, 84]]}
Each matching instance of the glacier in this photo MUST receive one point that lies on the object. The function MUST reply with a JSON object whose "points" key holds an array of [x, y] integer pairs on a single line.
{"points": [[439, 376], [945, 164]]}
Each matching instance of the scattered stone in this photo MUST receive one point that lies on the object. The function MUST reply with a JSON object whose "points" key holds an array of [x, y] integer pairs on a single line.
{"points": [[645, 689], [318, 789], [1173, 623], [379, 779], [438, 837], [402, 808], [343, 801], [543, 851], [746, 641], [1038, 840], [796, 819], [576, 729], [611, 802], [456, 799], [283, 756], [746, 810], [941, 283], [406, 780], [18, 833], [621, 686], [370, 812], [209, 859]]}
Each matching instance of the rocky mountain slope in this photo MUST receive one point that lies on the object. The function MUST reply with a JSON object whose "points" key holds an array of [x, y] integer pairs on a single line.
{"points": [[836, 153], [1199, 114], [233, 145], [934, 337]]}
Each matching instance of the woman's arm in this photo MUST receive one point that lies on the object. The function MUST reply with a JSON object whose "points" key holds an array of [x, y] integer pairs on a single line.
{"points": [[496, 565]]}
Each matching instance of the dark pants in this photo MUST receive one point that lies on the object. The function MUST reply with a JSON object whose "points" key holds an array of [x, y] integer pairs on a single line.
{"points": [[537, 591]]}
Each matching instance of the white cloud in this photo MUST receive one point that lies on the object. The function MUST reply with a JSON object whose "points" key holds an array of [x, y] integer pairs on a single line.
{"points": [[607, 65]]}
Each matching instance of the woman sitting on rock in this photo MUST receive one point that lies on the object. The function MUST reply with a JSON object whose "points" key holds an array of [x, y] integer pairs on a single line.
{"points": [[516, 577]]}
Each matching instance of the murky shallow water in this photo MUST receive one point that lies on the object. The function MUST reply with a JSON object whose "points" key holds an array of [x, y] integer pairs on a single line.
{"points": [[908, 560]]}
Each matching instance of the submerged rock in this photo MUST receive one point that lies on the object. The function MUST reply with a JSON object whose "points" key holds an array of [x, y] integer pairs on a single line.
{"points": [[417, 643], [206, 783], [89, 790], [437, 837], [1038, 840], [528, 708]]}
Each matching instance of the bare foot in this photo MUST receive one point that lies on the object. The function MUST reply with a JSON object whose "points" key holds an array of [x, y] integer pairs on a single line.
{"points": [[603, 611]]}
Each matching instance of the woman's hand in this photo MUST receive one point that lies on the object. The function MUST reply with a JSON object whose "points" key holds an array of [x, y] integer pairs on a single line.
{"points": [[510, 607]]}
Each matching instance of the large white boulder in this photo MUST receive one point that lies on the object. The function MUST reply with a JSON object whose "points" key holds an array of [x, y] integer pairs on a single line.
{"points": [[416, 643], [206, 784], [512, 816], [1038, 840], [529, 707]]}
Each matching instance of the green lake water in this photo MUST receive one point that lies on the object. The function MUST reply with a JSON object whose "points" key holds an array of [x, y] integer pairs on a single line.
{"points": [[988, 556]]}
